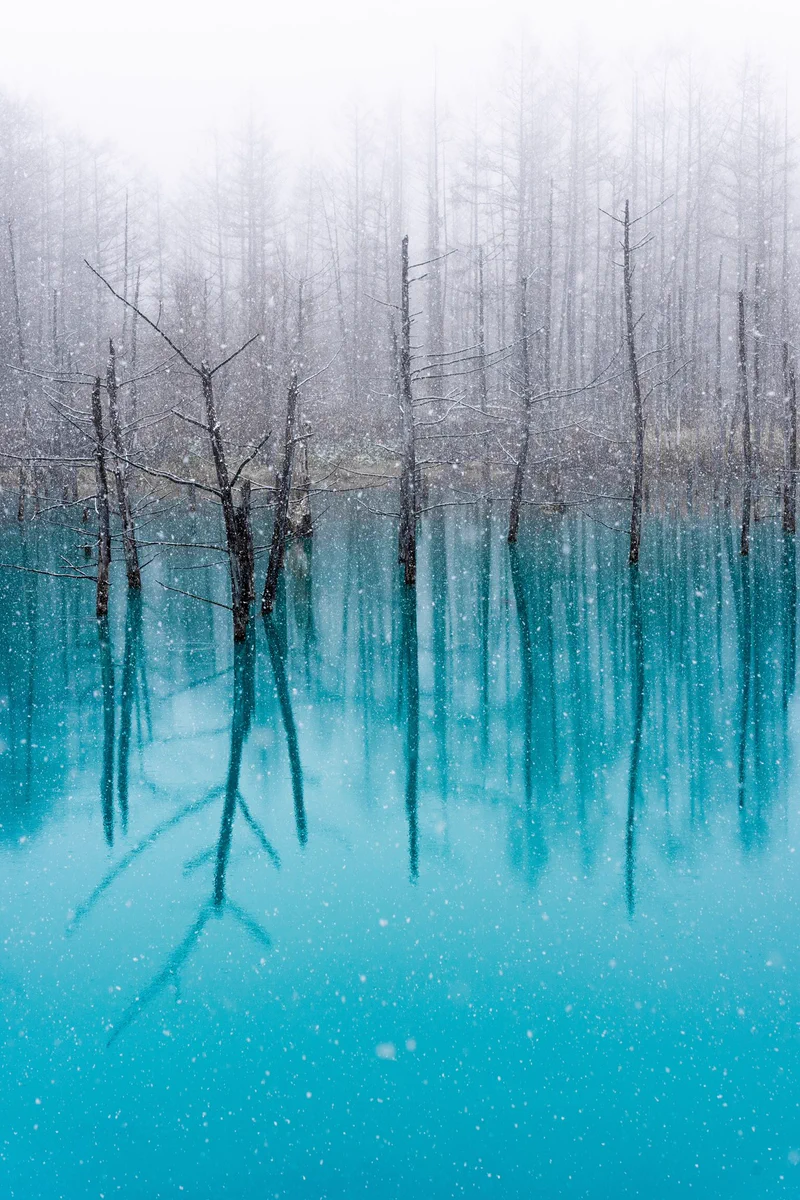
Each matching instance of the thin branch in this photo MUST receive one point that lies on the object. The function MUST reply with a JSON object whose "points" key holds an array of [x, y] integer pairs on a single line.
{"points": [[192, 596], [321, 371], [428, 261], [204, 487], [375, 511], [52, 574], [146, 374], [249, 458], [235, 354], [72, 381], [146, 320], [47, 458], [190, 420]]}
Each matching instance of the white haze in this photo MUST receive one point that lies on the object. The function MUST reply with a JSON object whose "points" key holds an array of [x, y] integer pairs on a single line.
{"points": [[159, 78]]}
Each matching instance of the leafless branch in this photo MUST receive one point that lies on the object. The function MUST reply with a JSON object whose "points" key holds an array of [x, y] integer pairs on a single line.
{"points": [[249, 457], [192, 596], [235, 354], [146, 320]]}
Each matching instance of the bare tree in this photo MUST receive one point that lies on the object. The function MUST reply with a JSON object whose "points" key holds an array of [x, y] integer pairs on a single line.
{"points": [[747, 444], [636, 394], [405, 396], [301, 522], [237, 545], [103, 507], [790, 443], [283, 497], [25, 381], [120, 468], [527, 400]]}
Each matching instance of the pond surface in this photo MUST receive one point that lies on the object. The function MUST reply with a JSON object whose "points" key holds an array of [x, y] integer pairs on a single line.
{"points": [[490, 894]]}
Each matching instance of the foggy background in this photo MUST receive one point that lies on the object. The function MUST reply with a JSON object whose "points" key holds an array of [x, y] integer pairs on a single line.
{"points": [[249, 172], [161, 78]]}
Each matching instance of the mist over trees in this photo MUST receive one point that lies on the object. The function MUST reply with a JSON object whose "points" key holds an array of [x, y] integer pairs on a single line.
{"points": [[529, 314]]}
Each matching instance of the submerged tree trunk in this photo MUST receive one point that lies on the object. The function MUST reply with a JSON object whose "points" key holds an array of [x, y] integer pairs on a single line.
{"points": [[636, 393], [245, 534], [280, 526], [527, 398], [235, 545], [407, 546], [120, 468], [790, 444], [131, 665], [301, 524], [103, 514], [747, 445], [109, 721]]}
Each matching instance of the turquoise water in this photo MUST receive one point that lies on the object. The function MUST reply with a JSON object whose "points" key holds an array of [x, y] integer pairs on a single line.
{"points": [[490, 894]]}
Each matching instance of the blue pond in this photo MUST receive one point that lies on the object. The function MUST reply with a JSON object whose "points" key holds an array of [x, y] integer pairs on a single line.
{"points": [[487, 892]]}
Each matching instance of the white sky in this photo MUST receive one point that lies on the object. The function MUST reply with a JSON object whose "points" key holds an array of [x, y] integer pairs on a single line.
{"points": [[157, 76]]}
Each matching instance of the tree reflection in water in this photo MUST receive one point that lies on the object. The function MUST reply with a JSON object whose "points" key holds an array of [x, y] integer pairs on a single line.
{"points": [[600, 715]]}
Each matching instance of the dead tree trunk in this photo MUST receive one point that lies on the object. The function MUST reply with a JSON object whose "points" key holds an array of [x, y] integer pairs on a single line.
{"points": [[527, 399], [407, 542], [103, 514], [134, 409], [237, 555], [718, 394], [243, 516], [301, 523], [120, 468], [26, 396], [280, 526], [483, 384], [747, 444], [636, 392], [235, 544], [790, 439]]}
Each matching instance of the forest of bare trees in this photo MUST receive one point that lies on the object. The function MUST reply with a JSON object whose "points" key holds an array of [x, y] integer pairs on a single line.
{"points": [[546, 301]]}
